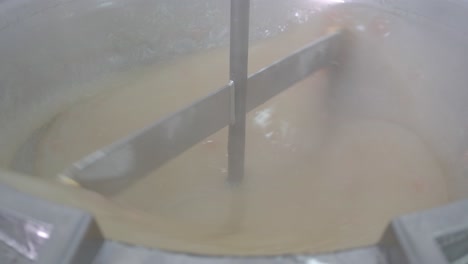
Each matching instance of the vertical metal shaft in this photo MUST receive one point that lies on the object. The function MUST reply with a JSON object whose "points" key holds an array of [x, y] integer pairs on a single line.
{"points": [[238, 62]]}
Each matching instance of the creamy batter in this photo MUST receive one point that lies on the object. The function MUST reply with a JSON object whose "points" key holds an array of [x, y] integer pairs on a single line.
{"points": [[312, 183]]}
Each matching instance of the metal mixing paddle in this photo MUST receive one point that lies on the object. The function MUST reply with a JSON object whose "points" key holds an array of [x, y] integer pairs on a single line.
{"points": [[113, 168], [238, 64]]}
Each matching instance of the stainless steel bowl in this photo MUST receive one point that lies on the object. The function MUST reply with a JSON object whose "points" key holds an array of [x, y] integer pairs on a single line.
{"points": [[51, 50]]}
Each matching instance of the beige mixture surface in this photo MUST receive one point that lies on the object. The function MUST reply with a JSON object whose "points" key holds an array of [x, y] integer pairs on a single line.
{"points": [[311, 185]]}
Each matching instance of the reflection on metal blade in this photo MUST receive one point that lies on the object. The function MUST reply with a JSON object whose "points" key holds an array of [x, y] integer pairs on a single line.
{"points": [[114, 167]]}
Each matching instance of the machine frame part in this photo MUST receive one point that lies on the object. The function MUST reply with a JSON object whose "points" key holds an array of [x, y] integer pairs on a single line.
{"points": [[74, 236], [435, 236]]}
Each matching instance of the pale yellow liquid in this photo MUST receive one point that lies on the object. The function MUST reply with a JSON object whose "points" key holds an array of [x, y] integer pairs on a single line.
{"points": [[312, 183]]}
